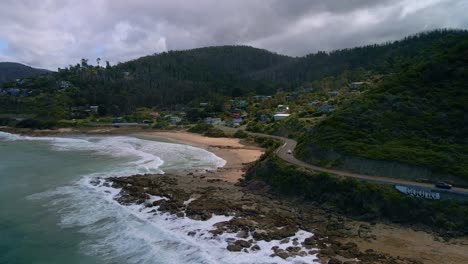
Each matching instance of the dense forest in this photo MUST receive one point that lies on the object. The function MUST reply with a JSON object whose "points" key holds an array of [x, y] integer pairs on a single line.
{"points": [[416, 115], [181, 77], [9, 71]]}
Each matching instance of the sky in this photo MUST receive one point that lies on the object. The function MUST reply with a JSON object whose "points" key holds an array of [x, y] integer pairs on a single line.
{"points": [[56, 33]]}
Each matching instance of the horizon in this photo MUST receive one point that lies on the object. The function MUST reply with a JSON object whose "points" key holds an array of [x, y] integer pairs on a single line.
{"points": [[54, 33]]}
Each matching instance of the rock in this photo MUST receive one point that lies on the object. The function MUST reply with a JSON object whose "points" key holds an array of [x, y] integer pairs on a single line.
{"points": [[234, 248], [242, 234], [180, 214], [283, 254], [334, 261], [284, 241], [243, 243], [309, 241], [191, 233], [255, 248], [293, 249]]}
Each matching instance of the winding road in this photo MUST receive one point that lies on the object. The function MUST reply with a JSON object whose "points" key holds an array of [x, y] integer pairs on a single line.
{"points": [[290, 144]]}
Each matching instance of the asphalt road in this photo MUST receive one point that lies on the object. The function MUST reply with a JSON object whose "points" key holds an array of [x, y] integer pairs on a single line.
{"points": [[290, 144]]}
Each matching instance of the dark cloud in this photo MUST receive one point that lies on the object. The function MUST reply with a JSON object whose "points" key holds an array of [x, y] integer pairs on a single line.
{"points": [[55, 33]]}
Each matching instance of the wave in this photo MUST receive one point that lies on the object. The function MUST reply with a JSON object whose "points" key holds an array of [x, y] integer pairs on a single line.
{"points": [[141, 156], [139, 234]]}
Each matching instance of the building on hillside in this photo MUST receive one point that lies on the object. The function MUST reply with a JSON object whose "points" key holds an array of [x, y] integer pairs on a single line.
{"points": [[237, 122], [280, 116], [314, 103], [326, 107], [213, 121], [261, 97], [356, 84], [175, 120], [94, 109], [63, 84], [240, 103], [282, 109], [13, 91], [203, 104], [333, 93], [235, 113]]}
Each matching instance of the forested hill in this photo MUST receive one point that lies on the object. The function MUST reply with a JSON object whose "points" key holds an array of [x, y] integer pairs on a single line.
{"points": [[222, 63], [372, 59], [10, 71], [418, 115]]}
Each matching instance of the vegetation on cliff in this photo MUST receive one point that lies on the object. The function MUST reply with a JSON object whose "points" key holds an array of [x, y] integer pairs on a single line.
{"points": [[363, 200], [417, 115]]}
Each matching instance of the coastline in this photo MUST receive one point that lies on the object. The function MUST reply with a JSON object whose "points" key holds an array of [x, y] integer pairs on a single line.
{"points": [[236, 152], [369, 242]]}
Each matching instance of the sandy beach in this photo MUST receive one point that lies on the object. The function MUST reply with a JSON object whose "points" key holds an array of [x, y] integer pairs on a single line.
{"points": [[233, 150]]}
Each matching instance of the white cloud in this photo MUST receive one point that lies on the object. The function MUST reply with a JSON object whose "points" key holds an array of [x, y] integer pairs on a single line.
{"points": [[56, 33]]}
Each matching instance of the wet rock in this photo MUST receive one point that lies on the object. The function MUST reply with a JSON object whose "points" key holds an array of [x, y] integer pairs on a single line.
{"points": [[242, 234], [255, 248], [293, 249], [282, 254], [191, 233], [284, 241], [243, 243], [234, 248], [334, 261]]}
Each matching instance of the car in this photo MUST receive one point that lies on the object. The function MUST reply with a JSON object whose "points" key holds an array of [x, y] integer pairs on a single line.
{"points": [[443, 185], [289, 151]]}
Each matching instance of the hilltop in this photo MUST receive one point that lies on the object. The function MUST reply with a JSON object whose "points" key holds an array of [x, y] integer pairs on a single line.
{"points": [[9, 71]]}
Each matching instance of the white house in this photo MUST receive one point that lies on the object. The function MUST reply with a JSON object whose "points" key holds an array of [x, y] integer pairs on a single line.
{"points": [[280, 116]]}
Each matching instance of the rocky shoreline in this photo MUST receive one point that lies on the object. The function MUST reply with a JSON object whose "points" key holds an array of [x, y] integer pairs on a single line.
{"points": [[255, 216]]}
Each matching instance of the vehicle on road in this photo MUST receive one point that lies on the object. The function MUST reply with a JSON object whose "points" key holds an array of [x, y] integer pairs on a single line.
{"points": [[443, 185], [289, 151]]}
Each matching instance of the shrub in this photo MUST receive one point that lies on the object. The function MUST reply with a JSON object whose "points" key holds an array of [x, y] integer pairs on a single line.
{"points": [[37, 124], [240, 134]]}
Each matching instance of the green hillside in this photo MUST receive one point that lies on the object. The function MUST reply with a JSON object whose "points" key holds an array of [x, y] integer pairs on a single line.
{"points": [[9, 71], [417, 115]]}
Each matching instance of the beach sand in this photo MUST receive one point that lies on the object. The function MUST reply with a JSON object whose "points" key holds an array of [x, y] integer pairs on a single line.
{"points": [[236, 153]]}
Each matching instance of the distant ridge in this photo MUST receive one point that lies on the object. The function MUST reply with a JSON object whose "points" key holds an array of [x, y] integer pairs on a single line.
{"points": [[10, 71]]}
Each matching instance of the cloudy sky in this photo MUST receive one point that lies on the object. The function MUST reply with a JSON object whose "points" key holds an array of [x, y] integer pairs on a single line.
{"points": [[56, 33]]}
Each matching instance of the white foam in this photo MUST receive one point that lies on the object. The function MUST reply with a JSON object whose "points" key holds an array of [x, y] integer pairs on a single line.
{"points": [[143, 156], [139, 234]]}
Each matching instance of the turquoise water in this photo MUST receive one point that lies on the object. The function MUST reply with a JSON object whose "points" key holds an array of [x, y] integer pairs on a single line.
{"points": [[29, 230], [55, 205], [49, 213]]}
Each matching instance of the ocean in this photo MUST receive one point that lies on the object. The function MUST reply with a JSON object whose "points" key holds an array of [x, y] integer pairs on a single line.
{"points": [[52, 211]]}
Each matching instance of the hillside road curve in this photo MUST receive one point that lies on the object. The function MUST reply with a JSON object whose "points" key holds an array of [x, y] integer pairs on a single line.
{"points": [[290, 145]]}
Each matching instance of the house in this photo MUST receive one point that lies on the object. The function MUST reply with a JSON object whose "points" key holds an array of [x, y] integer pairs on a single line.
{"points": [[280, 116], [235, 113], [261, 97], [356, 84], [240, 103], [333, 93], [13, 91], [64, 84], [314, 103], [237, 122], [282, 109], [94, 108], [326, 108], [203, 104], [175, 119], [213, 121]]}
